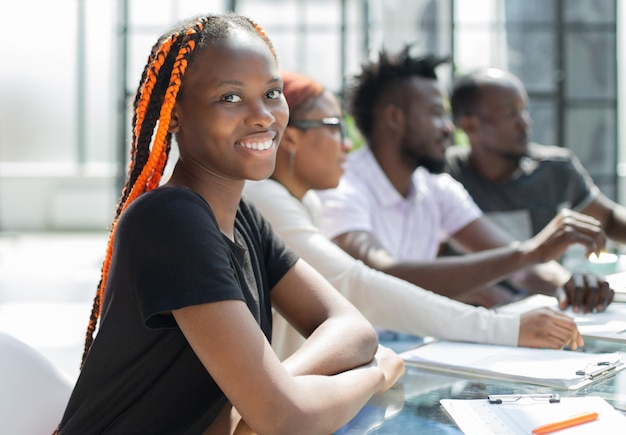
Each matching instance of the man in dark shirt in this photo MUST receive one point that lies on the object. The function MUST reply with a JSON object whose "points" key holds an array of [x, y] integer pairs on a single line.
{"points": [[519, 184]]}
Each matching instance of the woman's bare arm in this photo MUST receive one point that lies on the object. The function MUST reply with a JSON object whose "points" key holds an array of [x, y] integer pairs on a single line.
{"points": [[260, 387]]}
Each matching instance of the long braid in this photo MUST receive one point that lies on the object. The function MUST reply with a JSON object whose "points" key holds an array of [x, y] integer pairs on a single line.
{"points": [[146, 105], [147, 84], [148, 162], [158, 147], [155, 99]]}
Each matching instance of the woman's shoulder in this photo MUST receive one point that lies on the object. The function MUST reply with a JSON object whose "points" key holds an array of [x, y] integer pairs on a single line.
{"points": [[279, 206], [263, 190], [169, 207], [168, 198]]}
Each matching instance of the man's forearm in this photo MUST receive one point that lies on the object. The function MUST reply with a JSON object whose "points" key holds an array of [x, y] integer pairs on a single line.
{"points": [[456, 276], [542, 278]]}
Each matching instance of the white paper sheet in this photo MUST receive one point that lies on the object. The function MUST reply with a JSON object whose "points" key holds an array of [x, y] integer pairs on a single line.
{"points": [[608, 325], [479, 417], [555, 368]]}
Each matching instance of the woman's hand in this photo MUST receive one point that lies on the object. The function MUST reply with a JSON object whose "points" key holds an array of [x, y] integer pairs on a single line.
{"points": [[391, 365], [548, 328]]}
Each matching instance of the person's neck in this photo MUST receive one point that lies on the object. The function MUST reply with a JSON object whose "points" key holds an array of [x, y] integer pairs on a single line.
{"points": [[395, 168], [290, 183], [492, 167], [223, 196]]}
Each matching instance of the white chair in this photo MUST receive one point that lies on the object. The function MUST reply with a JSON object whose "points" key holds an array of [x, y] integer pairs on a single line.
{"points": [[33, 393]]}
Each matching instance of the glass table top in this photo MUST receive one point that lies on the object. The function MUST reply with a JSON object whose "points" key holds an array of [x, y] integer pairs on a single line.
{"points": [[412, 405]]}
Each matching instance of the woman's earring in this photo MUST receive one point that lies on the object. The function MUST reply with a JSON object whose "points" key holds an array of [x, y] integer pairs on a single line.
{"points": [[292, 159]]}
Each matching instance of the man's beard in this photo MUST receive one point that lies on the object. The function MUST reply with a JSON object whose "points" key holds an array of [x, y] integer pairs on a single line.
{"points": [[513, 157], [432, 165]]}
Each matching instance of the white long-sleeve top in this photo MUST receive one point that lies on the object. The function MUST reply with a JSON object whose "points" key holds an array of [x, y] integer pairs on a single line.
{"points": [[387, 302]]}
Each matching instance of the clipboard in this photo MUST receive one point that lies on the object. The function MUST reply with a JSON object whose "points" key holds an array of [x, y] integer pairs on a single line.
{"points": [[520, 414], [553, 368]]}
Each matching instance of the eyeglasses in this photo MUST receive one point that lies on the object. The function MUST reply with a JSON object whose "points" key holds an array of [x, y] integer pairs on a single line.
{"points": [[316, 123], [508, 116]]}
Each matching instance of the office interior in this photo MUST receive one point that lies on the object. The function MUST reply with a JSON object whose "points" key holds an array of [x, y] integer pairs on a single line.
{"points": [[70, 67]]}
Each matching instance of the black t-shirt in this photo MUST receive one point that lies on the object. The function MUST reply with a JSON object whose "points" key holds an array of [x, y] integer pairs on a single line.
{"points": [[141, 375]]}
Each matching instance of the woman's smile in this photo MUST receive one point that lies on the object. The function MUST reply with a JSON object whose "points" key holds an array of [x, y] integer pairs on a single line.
{"points": [[259, 142]]}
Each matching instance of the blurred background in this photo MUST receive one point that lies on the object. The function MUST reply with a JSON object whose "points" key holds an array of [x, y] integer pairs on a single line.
{"points": [[69, 69]]}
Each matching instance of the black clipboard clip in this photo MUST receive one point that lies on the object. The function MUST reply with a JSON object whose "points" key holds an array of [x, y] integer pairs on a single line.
{"points": [[594, 370], [498, 399]]}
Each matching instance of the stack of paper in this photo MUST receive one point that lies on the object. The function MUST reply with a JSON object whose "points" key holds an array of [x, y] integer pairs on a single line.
{"points": [[555, 368], [617, 281]]}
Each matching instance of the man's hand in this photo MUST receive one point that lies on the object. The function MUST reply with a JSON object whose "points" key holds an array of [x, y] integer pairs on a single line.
{"points": [[564, 230], [548, 328], [586, 292]]}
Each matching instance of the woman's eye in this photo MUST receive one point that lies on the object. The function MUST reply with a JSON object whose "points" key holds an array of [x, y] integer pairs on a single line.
{"points": [[274, 94], [232, 98]]}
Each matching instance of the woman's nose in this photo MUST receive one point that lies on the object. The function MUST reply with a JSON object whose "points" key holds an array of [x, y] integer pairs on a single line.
{"points": [[260, 114]]}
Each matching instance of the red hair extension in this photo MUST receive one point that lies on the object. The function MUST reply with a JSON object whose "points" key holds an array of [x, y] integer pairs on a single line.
{"points": [[299, 89]]}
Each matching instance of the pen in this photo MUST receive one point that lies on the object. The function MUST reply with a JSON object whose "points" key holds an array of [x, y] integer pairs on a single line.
{"points": [[574, 420]]}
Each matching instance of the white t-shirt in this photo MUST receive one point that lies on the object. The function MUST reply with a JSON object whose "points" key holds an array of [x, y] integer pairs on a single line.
{"points": [[410, 228]]}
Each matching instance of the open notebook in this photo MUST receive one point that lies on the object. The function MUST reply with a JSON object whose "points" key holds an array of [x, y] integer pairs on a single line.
{"points": [[554, 368]]}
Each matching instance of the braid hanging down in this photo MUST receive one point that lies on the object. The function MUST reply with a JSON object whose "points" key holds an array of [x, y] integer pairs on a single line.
{"points": [[152, 108]]}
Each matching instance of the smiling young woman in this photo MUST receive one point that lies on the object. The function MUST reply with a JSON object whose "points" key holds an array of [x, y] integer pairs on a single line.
{"points": [[192, 270]]}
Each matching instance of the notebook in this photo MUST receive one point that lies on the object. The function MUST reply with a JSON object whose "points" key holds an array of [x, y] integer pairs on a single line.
{"points": [[554, 368]]}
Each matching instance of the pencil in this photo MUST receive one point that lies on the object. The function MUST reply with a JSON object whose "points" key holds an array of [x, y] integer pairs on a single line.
{"points": [[574, 420]]}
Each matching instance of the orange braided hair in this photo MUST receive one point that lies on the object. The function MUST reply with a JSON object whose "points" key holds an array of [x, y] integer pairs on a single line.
{"points": [[157, 92]]}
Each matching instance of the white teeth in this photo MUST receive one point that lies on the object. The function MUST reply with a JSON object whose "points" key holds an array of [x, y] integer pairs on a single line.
{"points": [[258, 145]]}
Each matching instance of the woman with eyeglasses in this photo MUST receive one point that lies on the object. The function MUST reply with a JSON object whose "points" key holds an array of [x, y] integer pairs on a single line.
{"points": [[310, 157]]}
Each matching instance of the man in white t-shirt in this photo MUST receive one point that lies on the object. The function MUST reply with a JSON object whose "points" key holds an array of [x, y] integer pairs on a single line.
{"points": [[394, 206]]}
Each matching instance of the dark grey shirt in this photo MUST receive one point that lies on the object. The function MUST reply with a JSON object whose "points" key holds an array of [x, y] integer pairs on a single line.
{"points": [[549, 178]]}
